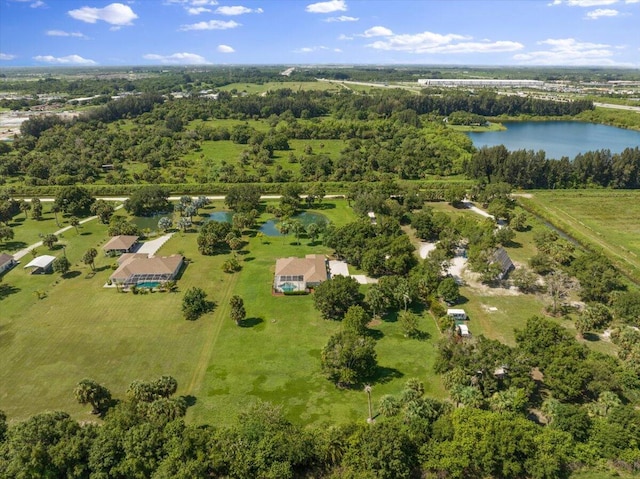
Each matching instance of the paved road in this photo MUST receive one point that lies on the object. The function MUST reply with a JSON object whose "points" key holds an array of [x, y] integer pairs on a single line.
{"points": [[618, 107]]}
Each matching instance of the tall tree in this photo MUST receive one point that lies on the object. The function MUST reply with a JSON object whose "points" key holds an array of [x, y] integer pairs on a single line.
{"points": [[90, 392], [49, 240], [36, 209], [61, 265], [25, 206], [103, 209], [89, 258], [75, 222], [238, 312], [336, 295], [194, 303], [348, 359]]}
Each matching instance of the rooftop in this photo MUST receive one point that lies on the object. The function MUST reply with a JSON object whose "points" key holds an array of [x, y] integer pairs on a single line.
{"points": [[122, 242], [313, 267]]}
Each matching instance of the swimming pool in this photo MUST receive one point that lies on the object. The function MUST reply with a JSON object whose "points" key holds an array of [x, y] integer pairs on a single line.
{"points": [[148, 284]]}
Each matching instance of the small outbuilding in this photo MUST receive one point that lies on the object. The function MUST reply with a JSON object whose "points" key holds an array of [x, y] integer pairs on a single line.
{"points": [[457, 314], [41, 264], [6, 262], [501, 258], [463, 330], [120, 244]]}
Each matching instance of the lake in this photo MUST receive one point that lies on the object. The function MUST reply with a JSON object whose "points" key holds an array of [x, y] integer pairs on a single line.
{"points": [[270, 228], [558, 138]]}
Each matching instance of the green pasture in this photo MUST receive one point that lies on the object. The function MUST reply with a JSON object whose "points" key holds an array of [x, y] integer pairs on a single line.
{"points": [[81, 329], [603, 220]]}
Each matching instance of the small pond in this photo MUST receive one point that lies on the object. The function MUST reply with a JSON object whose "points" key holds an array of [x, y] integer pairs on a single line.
{"points": [[270, 228], [220, 216]]}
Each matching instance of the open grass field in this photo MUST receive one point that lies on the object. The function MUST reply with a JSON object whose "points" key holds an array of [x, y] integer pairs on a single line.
{"points": [[605, 220], [252, 88], [81, 329]]}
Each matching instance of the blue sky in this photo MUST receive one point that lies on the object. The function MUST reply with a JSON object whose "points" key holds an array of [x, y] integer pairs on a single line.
{"points": [[190, 32]]}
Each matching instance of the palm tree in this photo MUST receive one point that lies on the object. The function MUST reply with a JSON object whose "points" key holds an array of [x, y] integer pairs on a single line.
{"points": [[313, 231], [388, 406], [24, 207], [297, 228], [75, 222], [89, 258], [55, 209], [285, 228]]}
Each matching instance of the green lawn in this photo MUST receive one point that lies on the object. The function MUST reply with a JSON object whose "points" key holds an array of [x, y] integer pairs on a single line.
{"points": [[27, 230], [605, 219], [81, 329]]}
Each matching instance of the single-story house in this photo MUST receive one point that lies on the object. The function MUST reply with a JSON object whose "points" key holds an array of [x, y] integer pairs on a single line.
{"points": [[501, 257], [120, 244], [463, 330], [138, 269], [41, 264], [300, 274], [6, 262], [457, 314]]}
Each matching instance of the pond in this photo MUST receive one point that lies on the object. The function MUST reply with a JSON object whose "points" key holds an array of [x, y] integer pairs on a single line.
{"points": [[270, 228], [220, 216], [558, 138]]}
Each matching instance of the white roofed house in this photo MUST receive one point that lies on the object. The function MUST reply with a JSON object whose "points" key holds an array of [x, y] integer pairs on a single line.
{"points": [[41, 264], [299, 274], [457, 314]]}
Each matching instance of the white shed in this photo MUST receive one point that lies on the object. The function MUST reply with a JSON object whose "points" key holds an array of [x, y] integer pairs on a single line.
{"points": [[457, 314], [463, 330], [41, 264]]}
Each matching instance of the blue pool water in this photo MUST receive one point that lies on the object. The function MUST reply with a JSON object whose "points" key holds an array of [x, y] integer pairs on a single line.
{"points": [[148, 284]]}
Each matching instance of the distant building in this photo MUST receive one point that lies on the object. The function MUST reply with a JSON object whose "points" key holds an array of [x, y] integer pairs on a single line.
{"points": [[501, 257], [480, 83], [300, 274]]}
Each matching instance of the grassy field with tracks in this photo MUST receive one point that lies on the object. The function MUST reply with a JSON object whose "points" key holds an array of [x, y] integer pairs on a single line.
{"points": [[602, 220]]}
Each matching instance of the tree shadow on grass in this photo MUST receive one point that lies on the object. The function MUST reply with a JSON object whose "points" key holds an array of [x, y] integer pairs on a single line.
{"points": [[248, 258], [14, 245], [190, 400], [375, 334], [7, 290], [71, 274], [384, 375], [102, 268], [250, 322], [591, 337], [86, 233]]}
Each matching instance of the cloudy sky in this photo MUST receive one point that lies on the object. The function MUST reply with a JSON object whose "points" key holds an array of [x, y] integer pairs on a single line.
{"points": [[192, 32]]}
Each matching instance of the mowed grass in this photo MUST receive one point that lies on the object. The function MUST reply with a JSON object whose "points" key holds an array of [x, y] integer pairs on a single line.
{"points": [[81, 329], [252, 88], [605, 219]]}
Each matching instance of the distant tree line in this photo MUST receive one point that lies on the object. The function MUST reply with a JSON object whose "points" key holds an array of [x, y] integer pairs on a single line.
{"points": [[529, 169]]}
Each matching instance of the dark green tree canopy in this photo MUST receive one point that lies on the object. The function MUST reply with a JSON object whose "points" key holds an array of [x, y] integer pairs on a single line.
{"points": [[148, 200]]}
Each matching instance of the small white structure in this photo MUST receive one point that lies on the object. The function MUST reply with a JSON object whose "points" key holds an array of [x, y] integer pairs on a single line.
{"points": [[6, 262], [463, 330], [457, 314], [41, 264], [372, 217]]}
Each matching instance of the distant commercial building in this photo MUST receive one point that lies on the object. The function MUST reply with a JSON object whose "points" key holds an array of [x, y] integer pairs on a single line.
{"points": [[480, 83]]}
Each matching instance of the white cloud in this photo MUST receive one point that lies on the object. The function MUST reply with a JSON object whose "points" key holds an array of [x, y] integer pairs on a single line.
{"points": [[341, 18], [586, 3], [311, 49], [345, 37], [6, 56], [195, 3], [429, 42], [327, 7], [68, 60], [61, 33], [569, 51], [225, 49], [34, 4], [178, 59], [114, 14], [602, 12], [237, 10], [377, 31], [197, 10], [632, 1], [211, 25]]}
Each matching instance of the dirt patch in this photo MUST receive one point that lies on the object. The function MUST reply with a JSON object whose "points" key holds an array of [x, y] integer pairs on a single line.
{"points": [[373, 323], [472, 280], [489, 309]]}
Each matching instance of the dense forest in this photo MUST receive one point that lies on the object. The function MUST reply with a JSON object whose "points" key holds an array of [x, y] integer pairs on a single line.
{"points": [[387, 133]]}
